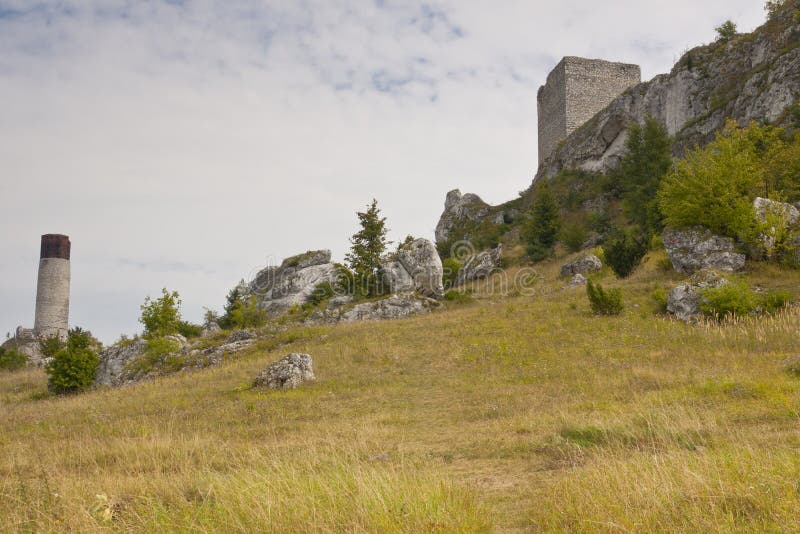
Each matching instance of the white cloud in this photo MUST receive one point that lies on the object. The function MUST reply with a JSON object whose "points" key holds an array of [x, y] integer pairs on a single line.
{"points": [[184, 144]]}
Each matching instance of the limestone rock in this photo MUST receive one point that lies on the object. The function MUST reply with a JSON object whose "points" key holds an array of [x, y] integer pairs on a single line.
{"points": [[421, 261], [396, 278], [577, 280], [393, 307], [480, 265], [279, 288], [287, 373], [772, 211], [684, 300], [459, 208], [776, 220], [114, 359], [240, 335], [209, 328], [583, 265], [691, 250]]}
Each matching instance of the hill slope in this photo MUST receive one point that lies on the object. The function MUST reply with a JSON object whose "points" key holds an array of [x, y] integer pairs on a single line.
{"points": [[511, 413]]}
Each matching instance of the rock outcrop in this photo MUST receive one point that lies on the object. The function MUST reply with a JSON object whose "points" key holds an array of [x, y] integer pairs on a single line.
{"points": [[457, 209], [684, 300], [583, 265], [393, 307], [691, 250], [751, 77], [114, 368], [289, 372], [292, 283], [577, 281], [480, 265], [422, 263]]}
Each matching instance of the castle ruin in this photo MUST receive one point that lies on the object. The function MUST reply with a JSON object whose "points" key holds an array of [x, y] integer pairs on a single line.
{"points": [[575, 91]]}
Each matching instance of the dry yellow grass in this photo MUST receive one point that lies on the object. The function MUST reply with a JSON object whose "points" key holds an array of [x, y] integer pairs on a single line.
{"points": [[506, 414]]}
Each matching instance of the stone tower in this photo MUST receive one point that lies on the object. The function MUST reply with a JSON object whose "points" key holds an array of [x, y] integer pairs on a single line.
{"points": [[575, 91], [52, 290]]}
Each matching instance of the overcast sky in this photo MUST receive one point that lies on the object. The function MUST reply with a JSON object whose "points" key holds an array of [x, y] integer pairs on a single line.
{"points": [[187, 144]]}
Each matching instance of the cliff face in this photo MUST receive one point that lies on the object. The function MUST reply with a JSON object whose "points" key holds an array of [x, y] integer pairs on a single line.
{"points": [[752, 77]]}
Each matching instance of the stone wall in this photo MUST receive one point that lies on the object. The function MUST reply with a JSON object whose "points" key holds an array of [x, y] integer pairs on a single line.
{"points": [[575, 91]]}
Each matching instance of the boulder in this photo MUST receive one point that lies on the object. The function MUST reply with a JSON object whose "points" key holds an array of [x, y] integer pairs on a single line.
{"points": [[396, 278], [114, 360], [210, 327], [480, 265], [287, 373], [770, 211], [691, 250], [584, 265], [459, 208], [684, 300], [577, 280], [421, 261], [279, 288], [393, 307]]}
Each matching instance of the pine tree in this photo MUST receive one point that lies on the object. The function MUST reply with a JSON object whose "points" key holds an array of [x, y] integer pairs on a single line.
{"points": [[367, 247], [543, 226], [647, 160]]}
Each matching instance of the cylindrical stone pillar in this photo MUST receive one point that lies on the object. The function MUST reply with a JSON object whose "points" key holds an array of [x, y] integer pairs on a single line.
{"points": [[52, 290]]}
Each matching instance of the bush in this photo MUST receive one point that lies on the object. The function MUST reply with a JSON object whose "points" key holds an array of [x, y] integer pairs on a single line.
{"points": [[542, 229], [450, 269], [322, 293], [74, 367], [659, 296], [247, 314], [602, 301], [623, 252], [573, 236], [49, 346], [457, 296], [162, 316], [738, 299], [726, 31], [189, 330], [715, 186], [12, 359]]}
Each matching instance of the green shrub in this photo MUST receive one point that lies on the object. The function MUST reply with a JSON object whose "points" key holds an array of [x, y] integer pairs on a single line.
{"points": [[573, 236], [541, 230], [322, 293], [623, 252], [162, 316], [450, 269], [12, 359], [726, 31], [602, 301], [659, 296], [738, 299], [715, 186], [247, 314], [74, 367], [49, 346], [155, 355], [189, 330], [457, 296]]}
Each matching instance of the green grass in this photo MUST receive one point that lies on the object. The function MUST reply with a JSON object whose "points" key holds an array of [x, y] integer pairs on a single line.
{"points": [[521, 414]]}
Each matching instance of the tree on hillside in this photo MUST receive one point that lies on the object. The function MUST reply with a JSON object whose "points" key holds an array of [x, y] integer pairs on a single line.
{"points": [[541, 231], [715, 186], [367, 247], [161, 316], [647, 160], [726, 31]]}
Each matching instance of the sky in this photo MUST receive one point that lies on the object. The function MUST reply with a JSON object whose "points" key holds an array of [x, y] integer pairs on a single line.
{"points": [[187, 144]]}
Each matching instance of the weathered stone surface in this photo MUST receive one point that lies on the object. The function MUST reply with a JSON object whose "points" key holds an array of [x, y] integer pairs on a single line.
{"points": [[209, 328], [114, 359], [458, 208], [761, 76], [690, 250], [393, 307], [684, 300], [289, 372], [480, 265], [240, 335], [772, 212], [577, 280], [583, 265], [776, 221], [396, 277], [422, 263], [279, 288]]}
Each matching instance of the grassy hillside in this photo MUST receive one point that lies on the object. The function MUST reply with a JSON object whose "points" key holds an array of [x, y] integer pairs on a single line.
{"points": [[510, 413]]}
